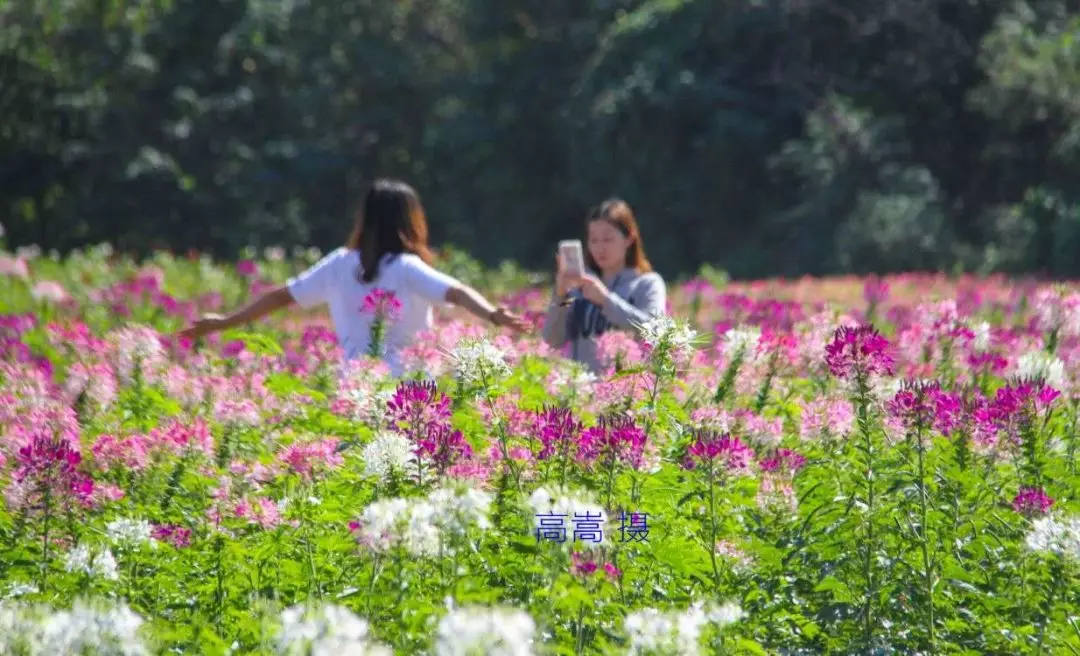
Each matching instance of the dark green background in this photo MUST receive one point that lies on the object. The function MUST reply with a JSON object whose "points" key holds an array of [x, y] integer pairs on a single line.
{"points": [[762, 137]]}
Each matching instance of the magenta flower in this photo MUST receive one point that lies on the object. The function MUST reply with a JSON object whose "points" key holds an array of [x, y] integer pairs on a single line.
{"points": [[858, 351], [416, 404], [1032, 501], [1017, 404], [49, 465], [784, 460], [443, 446], [233, 348], [177, 536], [247, 268], [615, 438], [556, 429], [382, 304], [584, 567], [925, 405], [711, 449], [581, 566]]}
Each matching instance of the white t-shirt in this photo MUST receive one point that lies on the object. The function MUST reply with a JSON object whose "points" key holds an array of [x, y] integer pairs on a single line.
{"points": [[335, 281]]}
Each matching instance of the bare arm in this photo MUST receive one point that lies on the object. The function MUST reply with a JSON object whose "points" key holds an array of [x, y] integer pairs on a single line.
{"points": [[468, 298], [260, 307]]}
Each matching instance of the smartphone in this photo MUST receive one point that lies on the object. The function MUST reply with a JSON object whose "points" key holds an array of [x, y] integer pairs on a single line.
{"points": [[573, 256]]}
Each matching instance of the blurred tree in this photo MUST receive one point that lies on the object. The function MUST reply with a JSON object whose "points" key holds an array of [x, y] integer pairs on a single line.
{"points": [[765, 137]]}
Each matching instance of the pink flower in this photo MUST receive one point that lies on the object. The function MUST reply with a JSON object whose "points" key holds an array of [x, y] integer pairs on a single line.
{"points": [[875, 290], [49, 290], [130, 453], [471, 471], [612, 572], [309, 458], [784, 460], [711, 448], [616, 346], [1032, 501], [382, 304], [177, 536]]}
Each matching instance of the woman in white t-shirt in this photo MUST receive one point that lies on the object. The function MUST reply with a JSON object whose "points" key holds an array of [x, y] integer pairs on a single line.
{"points": [[387, 250]]}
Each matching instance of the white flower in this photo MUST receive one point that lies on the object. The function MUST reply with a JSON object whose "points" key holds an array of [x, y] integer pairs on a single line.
{"points": [[725, 614], [419, 534], [1040, 364], [739, 342], [982, 332], [662, 329], [424, 527], [457, 510], [102, 564], [488, 631], [568, 373], [20, 631], [664, 334], [1057, 536], [386, 453], [130, 532], [326, 630], [79, 559], [675, 632], [94, 629], [368, 403], [478, 361], [18, 590], [378, 523]]}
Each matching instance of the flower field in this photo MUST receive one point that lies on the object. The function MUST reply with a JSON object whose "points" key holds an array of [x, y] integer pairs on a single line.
{"points": [[837, 466]]}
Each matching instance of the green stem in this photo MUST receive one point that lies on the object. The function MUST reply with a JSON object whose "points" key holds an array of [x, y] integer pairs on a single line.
{"points": [[45, 539], [711, 546], [1056, 575], [869, 547], [928, 572]]}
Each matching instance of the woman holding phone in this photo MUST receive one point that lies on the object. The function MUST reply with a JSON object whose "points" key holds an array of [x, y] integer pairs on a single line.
{"points": [[612, 287], [387, 250]]}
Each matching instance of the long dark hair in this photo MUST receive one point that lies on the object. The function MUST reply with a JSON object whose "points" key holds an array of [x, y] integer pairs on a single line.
{"points": [[391, 222], [617, 212]]}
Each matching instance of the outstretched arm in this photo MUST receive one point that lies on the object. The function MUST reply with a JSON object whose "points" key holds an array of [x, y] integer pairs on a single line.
{"points": [[468, 298], [260, 307]]}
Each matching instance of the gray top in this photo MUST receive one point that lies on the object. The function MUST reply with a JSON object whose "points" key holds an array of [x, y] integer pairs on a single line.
{"points": [[635, 298]]}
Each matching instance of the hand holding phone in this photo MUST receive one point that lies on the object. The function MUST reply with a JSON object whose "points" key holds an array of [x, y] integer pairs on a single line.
{"points": [[573, 256], [570, 265]]}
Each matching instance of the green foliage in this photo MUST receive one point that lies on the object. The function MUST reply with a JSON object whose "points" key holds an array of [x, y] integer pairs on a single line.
{"points": [[766, 137]]}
